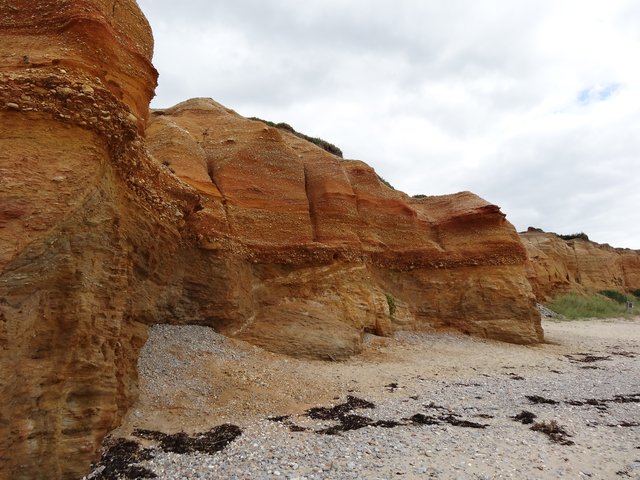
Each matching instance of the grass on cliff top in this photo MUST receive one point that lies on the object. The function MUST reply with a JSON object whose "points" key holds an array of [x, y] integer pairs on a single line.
{"points": [[574, 306], [323, 144]]}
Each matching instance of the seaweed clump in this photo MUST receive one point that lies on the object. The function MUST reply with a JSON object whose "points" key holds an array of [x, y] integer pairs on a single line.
{"points": [[554, 431], [209, 442], [120, 461]]}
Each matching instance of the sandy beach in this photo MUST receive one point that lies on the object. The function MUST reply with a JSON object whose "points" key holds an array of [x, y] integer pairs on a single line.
{"points": [[413, 406]]}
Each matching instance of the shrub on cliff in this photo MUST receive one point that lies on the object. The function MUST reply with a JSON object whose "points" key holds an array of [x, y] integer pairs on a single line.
{"points": [[391, 302], [573, 236], [326, 146], [384, 182]]}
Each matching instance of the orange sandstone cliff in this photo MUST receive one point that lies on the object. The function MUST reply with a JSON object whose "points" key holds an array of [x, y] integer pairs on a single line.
{"points": [[308, 250], [83, 213], [258, 234], [558, 266]]}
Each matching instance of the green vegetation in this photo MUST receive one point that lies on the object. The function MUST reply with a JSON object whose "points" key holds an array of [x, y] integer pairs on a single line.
{"points": [[573, 236], [326, 146], [382, 180], [574, 306], [392, 304], [636, 293], [614, 295], [420, 195]]}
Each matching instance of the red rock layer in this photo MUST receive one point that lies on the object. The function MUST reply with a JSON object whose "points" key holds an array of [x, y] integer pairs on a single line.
{"points": [[559, 266]]}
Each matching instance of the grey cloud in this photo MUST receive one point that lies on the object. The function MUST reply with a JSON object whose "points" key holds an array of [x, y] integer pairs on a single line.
{"points": [[477, 83]]}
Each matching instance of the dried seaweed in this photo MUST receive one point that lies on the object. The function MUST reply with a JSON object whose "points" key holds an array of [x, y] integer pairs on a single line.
{"points": [[587, 358], [209, 442], [423, 419], [537, 399], [554, 431], [525, 417], [457, 422], [337, 411], [120, 459]]}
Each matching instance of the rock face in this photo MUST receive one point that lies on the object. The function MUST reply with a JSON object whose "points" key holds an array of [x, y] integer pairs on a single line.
{"points": [[79, 221], [558, 266], [258, 233], [309, 251]]}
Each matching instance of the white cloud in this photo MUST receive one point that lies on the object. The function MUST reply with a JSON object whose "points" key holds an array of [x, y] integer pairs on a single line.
{"points": [[531, 104]]}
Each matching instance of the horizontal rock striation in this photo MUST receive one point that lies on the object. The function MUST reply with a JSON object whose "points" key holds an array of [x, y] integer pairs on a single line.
{"points": [[110, 223], [311, 250], [559, 266]]}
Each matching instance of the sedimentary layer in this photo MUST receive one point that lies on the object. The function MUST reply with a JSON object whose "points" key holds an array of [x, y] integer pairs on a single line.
{"points": [[558, 266], [81, 210], [312, 250]]}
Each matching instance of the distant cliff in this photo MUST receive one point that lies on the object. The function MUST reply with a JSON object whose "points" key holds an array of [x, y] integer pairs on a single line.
{"points": [[558, 265]]}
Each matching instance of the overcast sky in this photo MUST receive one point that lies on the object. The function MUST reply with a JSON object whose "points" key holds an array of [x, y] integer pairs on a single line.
{"points": [[533, 105]]}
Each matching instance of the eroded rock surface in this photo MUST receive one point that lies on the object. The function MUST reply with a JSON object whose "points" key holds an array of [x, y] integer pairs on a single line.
{"points": [[258, 233], [310, 250], [80, 224], [558, 266]]}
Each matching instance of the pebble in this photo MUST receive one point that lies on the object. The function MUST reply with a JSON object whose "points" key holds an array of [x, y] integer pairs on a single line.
{"points": [[64, 91]]}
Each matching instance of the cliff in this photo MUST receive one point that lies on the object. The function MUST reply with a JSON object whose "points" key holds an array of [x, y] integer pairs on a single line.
{"points": [[81, 211], [557, 266], [257, 233], [311, 250]]}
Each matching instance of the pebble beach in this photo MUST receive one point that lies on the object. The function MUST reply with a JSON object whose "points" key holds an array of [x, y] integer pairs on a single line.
{"points": [[438, 405]]}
